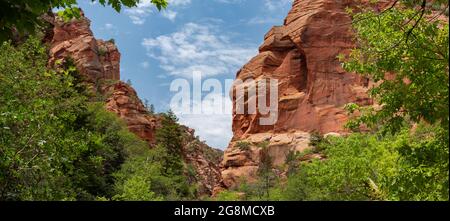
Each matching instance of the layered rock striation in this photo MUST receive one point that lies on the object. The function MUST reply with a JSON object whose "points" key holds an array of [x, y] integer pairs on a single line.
{"points": [[95, 59], [313, 88]]}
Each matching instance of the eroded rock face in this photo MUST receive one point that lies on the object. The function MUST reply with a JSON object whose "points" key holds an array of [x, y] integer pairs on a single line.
{"points": [[313, 87], [95, 59], [302, 55], [123, 100], [242, 158], [99, 62]]}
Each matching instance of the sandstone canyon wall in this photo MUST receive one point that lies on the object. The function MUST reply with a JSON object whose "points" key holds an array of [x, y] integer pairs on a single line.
{"points": [[99, 63], [313, 87]]}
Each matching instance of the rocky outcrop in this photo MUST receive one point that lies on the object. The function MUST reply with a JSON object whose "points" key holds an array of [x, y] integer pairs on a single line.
{"points": [[242, 158], [122, 99], [302, 55], [98, 62], [313, 87], [95, 59]]}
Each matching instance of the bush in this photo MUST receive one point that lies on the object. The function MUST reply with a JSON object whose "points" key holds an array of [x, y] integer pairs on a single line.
{"points": [[407, 166], [54, 144], [243, 145], [227, 195]]}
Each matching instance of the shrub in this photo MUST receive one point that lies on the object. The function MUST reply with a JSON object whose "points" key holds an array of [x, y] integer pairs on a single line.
{"points": [[243, 145]]}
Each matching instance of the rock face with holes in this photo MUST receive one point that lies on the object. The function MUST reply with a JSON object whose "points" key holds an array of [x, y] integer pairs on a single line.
{"points": [[313, 88]]}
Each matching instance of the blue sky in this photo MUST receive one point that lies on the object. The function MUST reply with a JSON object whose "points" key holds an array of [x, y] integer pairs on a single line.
{"points": [[215, 37]]}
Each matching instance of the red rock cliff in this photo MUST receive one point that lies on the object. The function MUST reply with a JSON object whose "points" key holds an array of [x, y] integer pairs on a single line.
{"points": [[99, 62], [96, 59], [302, 55], [313, 87]]}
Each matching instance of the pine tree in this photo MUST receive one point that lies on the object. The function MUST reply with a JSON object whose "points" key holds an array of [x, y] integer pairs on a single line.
{"points": [[169, 136], [265, 172]]}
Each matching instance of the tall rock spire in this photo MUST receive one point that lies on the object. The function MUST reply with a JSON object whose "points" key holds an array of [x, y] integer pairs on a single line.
{"points": [[313, 87]]}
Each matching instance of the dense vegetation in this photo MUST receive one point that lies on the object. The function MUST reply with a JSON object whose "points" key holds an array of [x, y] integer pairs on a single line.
{"points": [[56, 144], [400, 150], [158, 174]]}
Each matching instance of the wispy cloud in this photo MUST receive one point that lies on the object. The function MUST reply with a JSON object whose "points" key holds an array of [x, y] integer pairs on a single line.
{"points": [[211, 50], [198, 47], [139, 14], [262, 20], [214, 128], [273, 5], [271, 15], [169, 14]]}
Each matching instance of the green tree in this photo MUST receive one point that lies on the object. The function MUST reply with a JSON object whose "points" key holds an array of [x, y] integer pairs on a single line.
{"points": [[265, 170], [411, 165], [404, 50], [137, 189], [54, 144], [24, 15], [150, 107], [158, 172], [169, 137], [228, 195]]}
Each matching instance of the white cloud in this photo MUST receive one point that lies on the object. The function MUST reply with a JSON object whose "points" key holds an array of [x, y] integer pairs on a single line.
{"points": [[230, 1], [145, 64], [198, 47], [216, 129], [212, 51], [109, 26], [169, 14], [110, 29], [178, 2], [262, 20], [139, 14], [273, 5]]}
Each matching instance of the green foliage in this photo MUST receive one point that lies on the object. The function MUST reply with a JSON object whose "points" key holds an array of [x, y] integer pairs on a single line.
{"points": [[407, 166], [243, 145], [424, 168], [159, 173], [169, 137], [142, 174], [414, 51], [404, 50], [24, 15], [343, 176], [265, 170], [316, 139], [145, 169], [228, 195], [149, 107], [54, 144], [102, 51], [137, 188], [112, 41], [267, 181]]}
